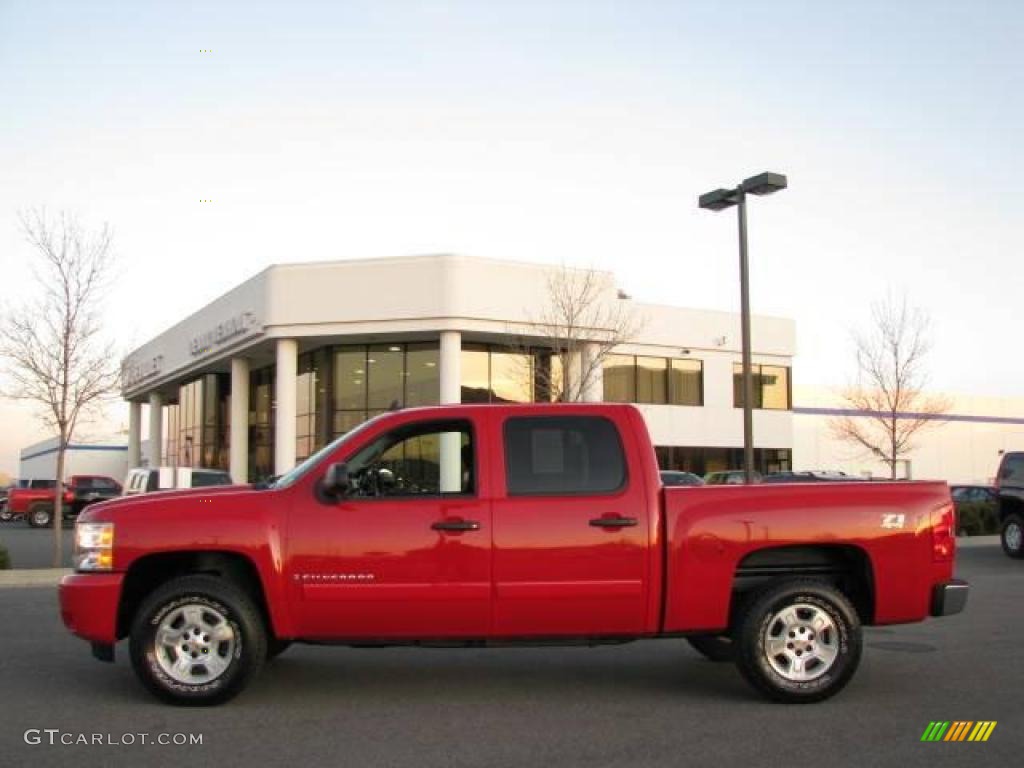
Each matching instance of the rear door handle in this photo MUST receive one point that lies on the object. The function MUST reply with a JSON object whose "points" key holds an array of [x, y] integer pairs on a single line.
{"points": [[456, 525], [613, 522]]}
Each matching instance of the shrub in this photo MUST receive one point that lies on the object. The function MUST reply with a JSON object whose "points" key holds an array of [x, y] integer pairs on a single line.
{"points": [[5, 559], [977, 518]]}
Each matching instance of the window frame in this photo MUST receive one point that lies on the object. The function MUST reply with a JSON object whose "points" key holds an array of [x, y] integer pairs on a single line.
{"points": [[619, 490], [464, 425]]}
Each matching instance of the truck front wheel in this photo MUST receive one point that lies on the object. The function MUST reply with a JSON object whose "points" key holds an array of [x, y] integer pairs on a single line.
{"points": [[798, 641], [1012, 536], [197, 640]]}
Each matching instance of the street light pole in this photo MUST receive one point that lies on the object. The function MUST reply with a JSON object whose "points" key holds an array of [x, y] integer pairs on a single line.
{"points": [[717, 200], [748, 377]]}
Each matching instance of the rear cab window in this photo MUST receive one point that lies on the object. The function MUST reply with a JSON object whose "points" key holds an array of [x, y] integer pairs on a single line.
{"points": [[1012, 470], [563, 455]]}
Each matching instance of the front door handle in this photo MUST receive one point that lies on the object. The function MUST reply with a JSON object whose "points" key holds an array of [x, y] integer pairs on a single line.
{"points": [[613, 522], [456, 525]]}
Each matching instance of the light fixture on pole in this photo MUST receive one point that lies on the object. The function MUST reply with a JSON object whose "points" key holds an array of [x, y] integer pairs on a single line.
{"points": [[717, 200]]}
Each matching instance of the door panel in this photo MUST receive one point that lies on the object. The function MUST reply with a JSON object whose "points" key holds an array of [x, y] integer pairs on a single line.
{"points": [[572, 564]]}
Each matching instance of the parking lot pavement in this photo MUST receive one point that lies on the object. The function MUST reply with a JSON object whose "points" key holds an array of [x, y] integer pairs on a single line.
{"points": [[652, 703], [33, 547]]}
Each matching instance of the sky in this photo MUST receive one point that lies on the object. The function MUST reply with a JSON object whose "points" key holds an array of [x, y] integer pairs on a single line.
{"points": [[553, 132]]}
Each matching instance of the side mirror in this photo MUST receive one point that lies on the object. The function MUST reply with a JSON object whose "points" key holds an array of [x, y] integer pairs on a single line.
{"points": [[336, 481]]}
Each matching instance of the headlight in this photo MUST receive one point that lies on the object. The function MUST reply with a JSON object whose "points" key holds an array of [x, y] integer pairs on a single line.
{"points": [[94, 546]]}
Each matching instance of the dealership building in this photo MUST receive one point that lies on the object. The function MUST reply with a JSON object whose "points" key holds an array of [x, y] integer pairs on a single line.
{"points": [[301, 353]]}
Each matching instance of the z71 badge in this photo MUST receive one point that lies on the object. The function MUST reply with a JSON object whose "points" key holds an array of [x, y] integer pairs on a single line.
{"points": [[893, 521]]}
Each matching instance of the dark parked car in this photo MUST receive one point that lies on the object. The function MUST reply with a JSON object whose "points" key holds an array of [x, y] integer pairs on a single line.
{"points": [[675, 477], [964, 494], [1010, 490]]}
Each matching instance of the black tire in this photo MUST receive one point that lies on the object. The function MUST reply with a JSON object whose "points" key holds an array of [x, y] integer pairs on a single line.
{"points": [[242, 616], [275, 647], [1014, 525], [713, 647], [759, 621], [40, 516]]}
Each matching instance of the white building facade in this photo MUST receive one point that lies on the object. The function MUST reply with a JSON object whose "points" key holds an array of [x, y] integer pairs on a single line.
{"points": [[106, 457], [301, 353]]}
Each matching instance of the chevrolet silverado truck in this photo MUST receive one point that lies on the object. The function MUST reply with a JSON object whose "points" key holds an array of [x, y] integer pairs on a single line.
{"points": [[492, 525], [35, 500]]}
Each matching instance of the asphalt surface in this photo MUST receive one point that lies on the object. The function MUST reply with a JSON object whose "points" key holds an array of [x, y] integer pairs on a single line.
{"points": [[33, 547], [653, 703]]}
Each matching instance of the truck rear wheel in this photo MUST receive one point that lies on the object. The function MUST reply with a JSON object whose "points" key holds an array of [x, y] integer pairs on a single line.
{"points": [[197, 640], [40, 515], [798, 641], [713, 647], [1012, 536]]}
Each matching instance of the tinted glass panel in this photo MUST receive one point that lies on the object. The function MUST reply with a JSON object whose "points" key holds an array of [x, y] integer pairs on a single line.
{"points": [[422, 375], [619, 379], [1013, 470], [350, 378], [384, 366], [563, 454], [511, 376], [475, 366], [206, 479], [651, 380], [686, 382], [774, 387]]}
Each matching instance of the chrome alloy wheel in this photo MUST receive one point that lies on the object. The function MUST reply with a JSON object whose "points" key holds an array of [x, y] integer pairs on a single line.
{"points": [[801, 642], [1012, 536], [194, 644]]}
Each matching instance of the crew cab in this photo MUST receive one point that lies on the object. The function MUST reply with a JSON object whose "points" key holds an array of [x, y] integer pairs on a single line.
{"points": [[479, 525], [36, 499]]}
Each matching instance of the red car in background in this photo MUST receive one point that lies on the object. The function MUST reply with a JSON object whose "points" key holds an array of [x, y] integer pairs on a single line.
{"points": [[35, 499]]}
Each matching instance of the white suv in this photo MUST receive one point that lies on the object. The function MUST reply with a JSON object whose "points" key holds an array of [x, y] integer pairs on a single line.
{"points": [[149, 479]]}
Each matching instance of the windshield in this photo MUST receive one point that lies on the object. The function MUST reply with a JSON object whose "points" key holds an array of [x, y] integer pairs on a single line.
{"points": [[292, 476]]}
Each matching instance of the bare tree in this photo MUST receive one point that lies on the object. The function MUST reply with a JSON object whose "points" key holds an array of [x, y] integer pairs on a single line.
{"points": [[55, 353], [582, 321], [889, 395]]}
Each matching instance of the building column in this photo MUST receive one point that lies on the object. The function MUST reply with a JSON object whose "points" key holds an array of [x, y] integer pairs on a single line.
{"points": [[134, 434], [593, 387], [239, 461], [284, 393], [451, 392], [156, 429]]}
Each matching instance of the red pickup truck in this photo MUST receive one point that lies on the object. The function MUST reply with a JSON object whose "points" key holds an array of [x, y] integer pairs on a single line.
{"points": [[493, 525], [35, 500]]}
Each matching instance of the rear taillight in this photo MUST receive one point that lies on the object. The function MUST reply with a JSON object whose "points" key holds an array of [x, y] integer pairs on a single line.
{"points": [[943, 533]]}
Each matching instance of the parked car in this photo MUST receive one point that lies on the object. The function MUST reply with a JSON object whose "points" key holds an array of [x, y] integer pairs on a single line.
{"points": [[729, 477], [809, 476], [675, 477], [34, 499], [150, 479], [1010, 491], [493, 524], [977, 509]]}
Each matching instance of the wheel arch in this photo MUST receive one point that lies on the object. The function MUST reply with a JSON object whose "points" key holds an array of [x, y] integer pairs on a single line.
{"points": [[846, 566], [150, 571]]}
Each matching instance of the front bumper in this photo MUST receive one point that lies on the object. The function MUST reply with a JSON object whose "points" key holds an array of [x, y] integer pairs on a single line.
{"points": [[89, 604], [949, 597]]}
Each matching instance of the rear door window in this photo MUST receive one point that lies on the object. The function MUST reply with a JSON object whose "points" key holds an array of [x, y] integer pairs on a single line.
{"points": [[579, 455]]}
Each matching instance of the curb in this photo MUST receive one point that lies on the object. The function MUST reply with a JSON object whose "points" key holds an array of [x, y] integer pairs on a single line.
{"points": [[32, 577]]}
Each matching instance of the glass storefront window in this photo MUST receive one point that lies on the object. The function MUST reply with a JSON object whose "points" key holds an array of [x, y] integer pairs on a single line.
{"points": [[422, 375], [476, 373], [775, 387], [652, 380], [770, 384], [350, 378], [511, 377], [619, 379], [384, 368], [686, 382]]}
